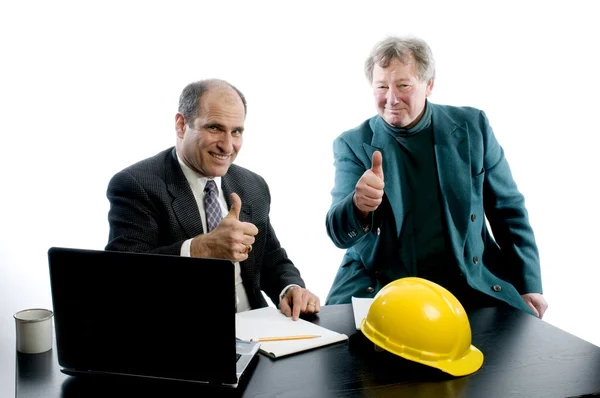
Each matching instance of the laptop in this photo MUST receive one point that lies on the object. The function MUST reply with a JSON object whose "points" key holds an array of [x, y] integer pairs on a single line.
{"points": [[146, 315]]}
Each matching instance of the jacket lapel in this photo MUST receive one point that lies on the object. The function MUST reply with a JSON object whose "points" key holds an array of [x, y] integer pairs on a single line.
{"points": [[229, 185], [184, 204], [452, 152]]}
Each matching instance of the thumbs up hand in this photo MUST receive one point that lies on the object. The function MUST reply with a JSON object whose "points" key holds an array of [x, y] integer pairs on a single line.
{"points": [[368, 193], [376, 166], [236, 205], [231, 239]]}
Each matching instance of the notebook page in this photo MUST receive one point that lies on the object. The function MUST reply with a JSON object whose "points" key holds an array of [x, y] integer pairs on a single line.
{"points": [[360, 308], [270, 322]]}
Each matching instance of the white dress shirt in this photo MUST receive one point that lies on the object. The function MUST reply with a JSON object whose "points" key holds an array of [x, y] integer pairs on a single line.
{"points": [[197, 184]]}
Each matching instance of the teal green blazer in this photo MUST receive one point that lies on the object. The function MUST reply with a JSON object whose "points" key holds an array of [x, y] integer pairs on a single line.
{"points": [[475, 183]]}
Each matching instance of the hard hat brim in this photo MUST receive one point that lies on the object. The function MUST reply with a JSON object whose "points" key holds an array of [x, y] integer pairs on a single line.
{"points": [[468, 363]]}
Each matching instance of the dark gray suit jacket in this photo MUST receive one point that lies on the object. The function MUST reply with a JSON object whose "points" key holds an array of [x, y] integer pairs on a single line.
{"points": [[153, 210]]}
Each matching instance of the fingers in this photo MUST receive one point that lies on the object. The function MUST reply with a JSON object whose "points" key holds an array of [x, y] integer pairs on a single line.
{"points": [[250, 231], [536, 302], [299, 301], [284, 306], [244, 248], [239, 234], [313, 305], [296, 303], [540, 305], [368, 192], [236, 205], [234, 213], [370, 195], [310, 303], [372, 181], [541, 312], [240, 252], [232, 239], [535, 310], [376, 166]]}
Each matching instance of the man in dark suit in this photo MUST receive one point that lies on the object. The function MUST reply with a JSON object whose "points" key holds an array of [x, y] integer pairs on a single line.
{"points": [[173, 203], [413, 188]]}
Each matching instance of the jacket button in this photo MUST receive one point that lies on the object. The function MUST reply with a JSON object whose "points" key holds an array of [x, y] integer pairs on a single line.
{"points": [[473, 217], [378, 231], [475, 260], [496, 288], [370, 289]]}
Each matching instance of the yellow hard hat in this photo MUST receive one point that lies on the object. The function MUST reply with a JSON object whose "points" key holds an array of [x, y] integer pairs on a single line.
{"points": [[421, 321]]}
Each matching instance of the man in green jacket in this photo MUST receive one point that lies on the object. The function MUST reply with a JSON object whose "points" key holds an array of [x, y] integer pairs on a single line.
{"points": [[413, 188]]}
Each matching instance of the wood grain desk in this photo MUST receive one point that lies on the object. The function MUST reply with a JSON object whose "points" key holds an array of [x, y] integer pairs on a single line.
{"points": [[524, 357]]}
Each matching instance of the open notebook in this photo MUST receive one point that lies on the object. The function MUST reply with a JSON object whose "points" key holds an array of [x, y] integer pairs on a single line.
{"points": [[270, 322]]}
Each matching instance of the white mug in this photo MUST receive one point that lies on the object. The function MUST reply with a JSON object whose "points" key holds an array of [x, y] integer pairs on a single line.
{"points": [[34, 330]]}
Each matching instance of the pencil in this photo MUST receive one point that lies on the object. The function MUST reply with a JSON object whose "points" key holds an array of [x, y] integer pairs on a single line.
{"points": [[281, 338]]}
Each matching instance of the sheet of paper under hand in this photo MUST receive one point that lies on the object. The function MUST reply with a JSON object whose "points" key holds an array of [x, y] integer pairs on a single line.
{"points": [[360, 308], [270, 322]]}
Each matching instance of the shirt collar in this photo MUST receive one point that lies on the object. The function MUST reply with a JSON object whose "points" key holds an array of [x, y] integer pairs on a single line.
{"points": [[197, 182]]}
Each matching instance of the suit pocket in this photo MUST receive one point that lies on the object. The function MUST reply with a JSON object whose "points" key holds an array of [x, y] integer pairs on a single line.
{"points": [[477, 186]]}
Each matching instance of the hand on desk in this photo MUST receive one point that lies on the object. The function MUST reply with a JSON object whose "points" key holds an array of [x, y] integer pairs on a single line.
{"points": [[298, 301], [536, 302]]}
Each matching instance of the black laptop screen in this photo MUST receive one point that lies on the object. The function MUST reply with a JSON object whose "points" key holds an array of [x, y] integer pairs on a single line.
{"points": [[144, 314]]}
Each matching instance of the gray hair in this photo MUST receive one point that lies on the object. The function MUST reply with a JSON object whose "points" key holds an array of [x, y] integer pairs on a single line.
{"points": [[189, 100], [402, 48]]}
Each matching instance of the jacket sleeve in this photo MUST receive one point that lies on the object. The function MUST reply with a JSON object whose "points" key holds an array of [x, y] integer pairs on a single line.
{"points": [[277, 270], [343, 224], [505, 210], [133, 220]]}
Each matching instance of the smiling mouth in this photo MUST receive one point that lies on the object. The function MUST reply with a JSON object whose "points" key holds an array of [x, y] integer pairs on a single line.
{"points": [[220, 157]]}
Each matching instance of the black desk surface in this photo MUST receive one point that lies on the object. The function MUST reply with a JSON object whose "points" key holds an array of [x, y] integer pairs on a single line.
{"points": [[524, 357]]}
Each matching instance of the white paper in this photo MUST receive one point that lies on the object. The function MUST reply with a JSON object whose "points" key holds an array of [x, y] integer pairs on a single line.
{"points": [[270, 322], [360, 308]]}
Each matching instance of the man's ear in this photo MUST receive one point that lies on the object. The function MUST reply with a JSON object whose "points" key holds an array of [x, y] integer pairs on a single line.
{"points": [[180, 125], [429, 88]]}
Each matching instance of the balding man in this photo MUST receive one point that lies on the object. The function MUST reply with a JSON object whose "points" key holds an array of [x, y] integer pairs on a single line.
{"points": [[191, 200]]}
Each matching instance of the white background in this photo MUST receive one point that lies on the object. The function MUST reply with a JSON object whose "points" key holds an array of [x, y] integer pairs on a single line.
{"points": [[88, 88]]}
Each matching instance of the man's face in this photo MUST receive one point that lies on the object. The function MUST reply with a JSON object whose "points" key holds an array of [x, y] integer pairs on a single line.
{"points": [[211, 142], [399, 95]]}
